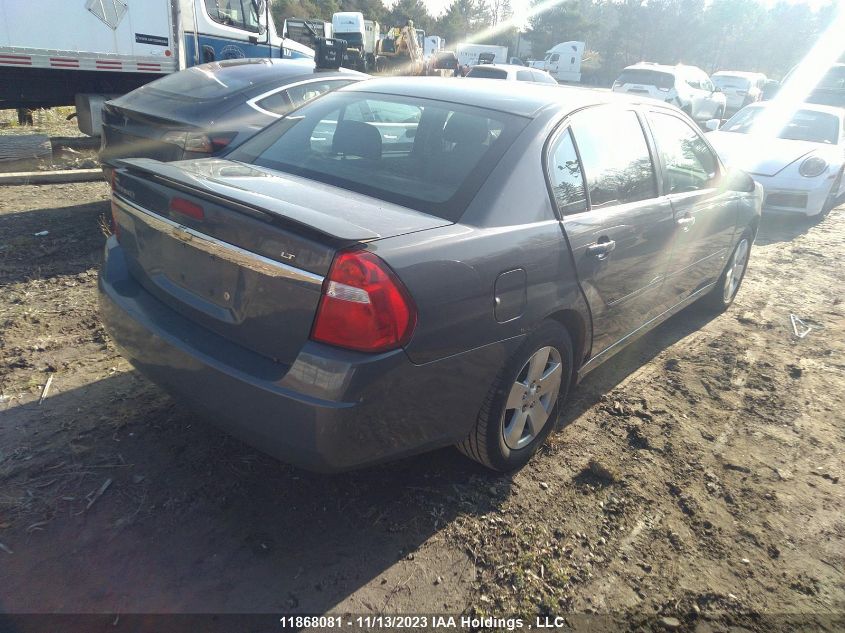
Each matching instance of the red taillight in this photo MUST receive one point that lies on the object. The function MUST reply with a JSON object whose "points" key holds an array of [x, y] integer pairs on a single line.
{"points": [[186, 207], [364, 307], [220, 141]]}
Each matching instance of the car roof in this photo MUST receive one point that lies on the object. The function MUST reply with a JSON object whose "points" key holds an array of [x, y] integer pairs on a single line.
{"points": [[663, 67], [260, 71], [838, 112], [737, 73], [494, 94]]}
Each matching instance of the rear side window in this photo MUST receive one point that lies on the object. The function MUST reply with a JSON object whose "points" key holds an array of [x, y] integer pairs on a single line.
{"points": [[277, 103], [427, 155], [615, 156], [524, 75], [688, 164], [565, 176]]}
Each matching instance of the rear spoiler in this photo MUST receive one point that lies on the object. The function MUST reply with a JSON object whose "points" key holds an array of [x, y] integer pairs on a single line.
{"points": [[209, 188]]}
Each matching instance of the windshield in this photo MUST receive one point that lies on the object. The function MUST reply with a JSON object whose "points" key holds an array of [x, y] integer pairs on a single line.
{"points": [[647, 78], [834, 79], [805, 125], [731, 81], [427, 155]]}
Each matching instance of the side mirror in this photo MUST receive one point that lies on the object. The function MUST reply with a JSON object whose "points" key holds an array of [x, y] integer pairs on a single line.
{"points": [[711, 125], [738, 180]]}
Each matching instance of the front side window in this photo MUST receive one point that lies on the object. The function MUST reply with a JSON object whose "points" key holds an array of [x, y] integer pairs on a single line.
{"points": [[427, 155], [565, 176], [240, 14], [555, 58], [688, 164], [615, 156]]}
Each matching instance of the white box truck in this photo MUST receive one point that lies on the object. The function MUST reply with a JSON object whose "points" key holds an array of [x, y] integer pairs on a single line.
{"points": [[432, 44], [361, 36], [563, 61], [60, 52], [468, 53]]}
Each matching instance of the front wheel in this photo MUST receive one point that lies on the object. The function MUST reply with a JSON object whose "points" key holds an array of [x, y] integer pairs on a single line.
{"points": [[725, 290], [523, 404]]}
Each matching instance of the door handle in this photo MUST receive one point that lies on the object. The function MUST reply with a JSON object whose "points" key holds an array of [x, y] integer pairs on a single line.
{"points": [[685, 222], [601, 249]]}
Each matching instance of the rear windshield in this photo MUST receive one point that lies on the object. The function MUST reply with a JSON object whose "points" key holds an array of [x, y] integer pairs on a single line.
{"points": [[480, 72], [431, 156], [805, 125], [731, 81], [217, 79], [647, 78], [834, 79]]}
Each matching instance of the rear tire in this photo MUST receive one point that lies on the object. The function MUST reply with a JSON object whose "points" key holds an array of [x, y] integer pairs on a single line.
{"points": [[724, 292], [524, 401]]}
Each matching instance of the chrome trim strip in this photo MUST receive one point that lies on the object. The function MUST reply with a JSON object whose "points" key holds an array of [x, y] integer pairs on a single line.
{"points": [[218, 248]]}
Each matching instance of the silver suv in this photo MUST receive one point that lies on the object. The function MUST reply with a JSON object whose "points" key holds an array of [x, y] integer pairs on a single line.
{"points": [[687, 87]]}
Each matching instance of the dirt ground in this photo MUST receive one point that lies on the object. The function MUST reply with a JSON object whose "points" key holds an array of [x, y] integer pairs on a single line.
{"points": [[696, 483], [70, 148]]}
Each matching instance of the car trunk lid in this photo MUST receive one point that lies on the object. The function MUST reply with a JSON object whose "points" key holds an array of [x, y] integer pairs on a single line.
{"points": [[240, 251]]}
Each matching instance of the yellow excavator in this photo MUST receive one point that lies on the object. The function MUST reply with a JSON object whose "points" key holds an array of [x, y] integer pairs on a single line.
{"points": [[399, 52]]}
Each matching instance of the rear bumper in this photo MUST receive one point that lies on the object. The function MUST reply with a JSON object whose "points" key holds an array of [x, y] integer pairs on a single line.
{"points": [[330, 410]]}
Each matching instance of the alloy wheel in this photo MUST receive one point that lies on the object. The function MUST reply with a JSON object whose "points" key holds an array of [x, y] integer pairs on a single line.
{"points": [[532, 398]]}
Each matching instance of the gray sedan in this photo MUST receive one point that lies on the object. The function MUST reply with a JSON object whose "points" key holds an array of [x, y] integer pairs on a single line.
{"points": [[204, 110], [410, 263]]}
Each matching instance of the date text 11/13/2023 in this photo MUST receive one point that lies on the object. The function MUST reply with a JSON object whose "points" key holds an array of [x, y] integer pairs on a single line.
{"points": [[397, 622]]}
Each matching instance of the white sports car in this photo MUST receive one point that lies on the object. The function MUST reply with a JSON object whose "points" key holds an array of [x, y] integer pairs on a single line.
{"points": [[801, 169]]}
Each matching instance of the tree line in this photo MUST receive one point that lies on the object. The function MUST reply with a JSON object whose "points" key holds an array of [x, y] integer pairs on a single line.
{"points": [[713, 34]]}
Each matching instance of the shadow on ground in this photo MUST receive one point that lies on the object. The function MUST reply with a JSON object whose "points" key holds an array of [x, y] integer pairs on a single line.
{"points": [[194, 521], [72, 244]]}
